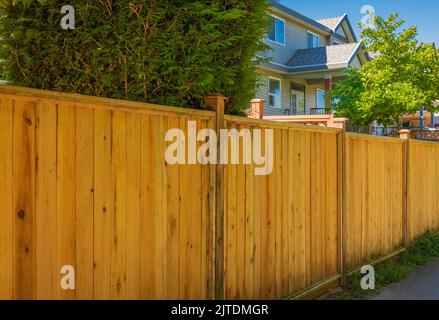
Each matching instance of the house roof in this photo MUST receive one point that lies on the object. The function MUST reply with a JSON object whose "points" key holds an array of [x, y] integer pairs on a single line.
{"points": [[329, 57], [334, 57], [329, 25], [332, 23], [299, 16]]}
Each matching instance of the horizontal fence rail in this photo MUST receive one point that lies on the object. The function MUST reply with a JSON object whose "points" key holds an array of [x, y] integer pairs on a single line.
{"points": [[86, 184]]}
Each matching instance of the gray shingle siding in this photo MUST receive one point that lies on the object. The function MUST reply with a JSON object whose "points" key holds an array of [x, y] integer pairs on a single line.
{"points": [[296, 37], [263, 93]]}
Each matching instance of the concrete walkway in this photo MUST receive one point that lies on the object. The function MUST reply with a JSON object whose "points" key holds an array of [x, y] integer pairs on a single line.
{"points": [[422, 284]]}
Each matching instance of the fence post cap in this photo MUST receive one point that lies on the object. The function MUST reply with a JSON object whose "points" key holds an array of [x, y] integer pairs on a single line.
{"points": [[404, 134], [216, 96]]}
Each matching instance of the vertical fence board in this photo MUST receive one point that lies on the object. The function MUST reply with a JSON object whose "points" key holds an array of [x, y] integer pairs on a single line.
{"points": [[6, 204], [119, 219], [173, 225], [133, 197], [249, 230], [66, 187], [103, 203], [84, 202], [24, 200], [240, 224], [148, 221], [47, 271]]}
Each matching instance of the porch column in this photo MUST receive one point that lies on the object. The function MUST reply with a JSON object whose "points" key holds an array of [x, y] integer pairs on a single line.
{"points": [[328, 87]]}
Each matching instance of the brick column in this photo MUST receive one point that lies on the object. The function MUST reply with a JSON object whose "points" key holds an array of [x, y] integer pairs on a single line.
{"points": [[328, 87], [257, 109]]}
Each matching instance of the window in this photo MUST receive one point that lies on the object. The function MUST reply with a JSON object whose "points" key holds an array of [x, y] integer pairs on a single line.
{"points": [[274, 93], [320, 99], [276, 30], [313, 40]]}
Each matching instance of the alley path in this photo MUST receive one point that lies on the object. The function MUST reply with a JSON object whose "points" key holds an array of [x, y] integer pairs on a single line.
{"points": [[422, 284]]}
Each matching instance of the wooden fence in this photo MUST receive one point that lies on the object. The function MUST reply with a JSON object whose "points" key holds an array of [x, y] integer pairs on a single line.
{"points": [[281, 230], [85, 183], [423, 190], [375, 195]]}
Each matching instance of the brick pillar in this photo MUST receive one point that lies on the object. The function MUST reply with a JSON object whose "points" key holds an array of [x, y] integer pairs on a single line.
{"points": [[328, 87], [404, 134], [257, 109]]}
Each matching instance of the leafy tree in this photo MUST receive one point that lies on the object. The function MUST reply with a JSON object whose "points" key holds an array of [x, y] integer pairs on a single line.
{"points": [[403, 75], [171, 52]]}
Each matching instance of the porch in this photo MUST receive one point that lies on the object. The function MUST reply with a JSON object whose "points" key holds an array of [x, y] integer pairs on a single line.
{"points": [[299, 98], [323, 117]]}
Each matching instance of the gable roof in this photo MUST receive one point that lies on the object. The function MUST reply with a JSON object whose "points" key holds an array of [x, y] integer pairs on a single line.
{"points": [[328, 25], [299, 16], [332, 23], [329, 57], [335, 23]]}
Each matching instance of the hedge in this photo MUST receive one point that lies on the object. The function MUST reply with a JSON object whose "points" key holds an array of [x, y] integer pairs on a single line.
{"points": [[172, 52]]}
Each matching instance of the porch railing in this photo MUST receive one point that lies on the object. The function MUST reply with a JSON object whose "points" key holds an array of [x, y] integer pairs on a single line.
{"points": [[320, 111], [311, 111]]}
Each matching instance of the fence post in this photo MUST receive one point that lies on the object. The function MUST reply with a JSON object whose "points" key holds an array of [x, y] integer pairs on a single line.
{"points": [[404, 134], [257, 109], [342, 226], [405, 169], [216, 103]]}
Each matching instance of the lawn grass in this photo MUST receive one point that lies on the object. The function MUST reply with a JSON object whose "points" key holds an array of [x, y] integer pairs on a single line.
{"points": [[424, 249]]}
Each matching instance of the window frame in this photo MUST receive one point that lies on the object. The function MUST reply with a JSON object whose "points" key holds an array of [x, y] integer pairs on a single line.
{"points": [[272, 94], [284, 30], [314, 35]]}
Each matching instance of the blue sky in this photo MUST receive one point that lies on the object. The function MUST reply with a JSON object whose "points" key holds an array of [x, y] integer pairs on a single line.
{"points": [[422, 13]]}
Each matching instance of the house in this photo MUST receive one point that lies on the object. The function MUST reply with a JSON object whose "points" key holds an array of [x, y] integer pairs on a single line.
{"points": [[307, 57]]}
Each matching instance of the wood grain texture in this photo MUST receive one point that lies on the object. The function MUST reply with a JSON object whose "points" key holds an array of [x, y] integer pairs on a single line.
{"points": [[422, 197], [374, 198], [6, 202], [24, 200], [47, 279], [66, 193], [85, 183], [288, 240], [84, 203]]}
